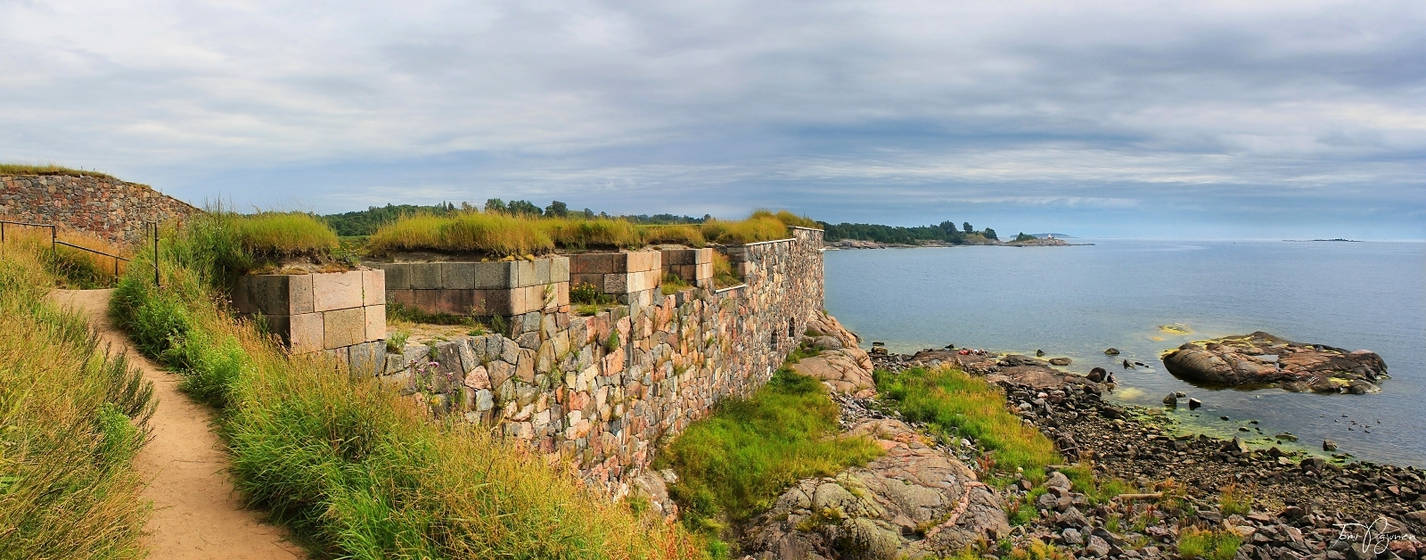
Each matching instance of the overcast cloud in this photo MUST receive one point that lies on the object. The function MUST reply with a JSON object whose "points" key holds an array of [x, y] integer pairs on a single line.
{"points": [[1173, 119]]}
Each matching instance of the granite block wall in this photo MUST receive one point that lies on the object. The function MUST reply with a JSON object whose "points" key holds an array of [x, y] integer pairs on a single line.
{"points": [[604, 390], [504, 288], [331, 312], [629, 276], [694, 266], [103, 206]]}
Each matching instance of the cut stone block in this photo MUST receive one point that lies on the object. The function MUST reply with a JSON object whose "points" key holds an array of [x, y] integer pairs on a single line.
{"points": [[375, 322], [494, 275], [424, 276], [344, 327], [458, 275], [373, 287], [305, 333], [367, 359], [559, 269], [336, 290], [524, 273], [273, 294], [398, 275]]}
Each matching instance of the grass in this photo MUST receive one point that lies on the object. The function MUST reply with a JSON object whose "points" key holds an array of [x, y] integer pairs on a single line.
{"points": [[682, 234], [71, 421], [724, 275], [1208, 545], [580, 234], [1098, 489], [762, 225], [955, 404], [284, 235], [48, 169], [734, 463], [355, 469], [70, 267], [673, 283], [1233, 499], [486, 234]]}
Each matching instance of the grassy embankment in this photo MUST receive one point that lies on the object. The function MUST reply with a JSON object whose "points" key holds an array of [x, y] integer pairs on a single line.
{"points": [[497, 235], [357, 470], [734, 463], [71, 420], [72, 268]]}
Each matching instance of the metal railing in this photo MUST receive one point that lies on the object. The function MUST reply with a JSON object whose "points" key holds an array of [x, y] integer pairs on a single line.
{"points": [[55, 242]]}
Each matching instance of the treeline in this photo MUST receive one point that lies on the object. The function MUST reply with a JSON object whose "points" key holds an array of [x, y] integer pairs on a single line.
{"points": [[946, 232], [366, 222]]}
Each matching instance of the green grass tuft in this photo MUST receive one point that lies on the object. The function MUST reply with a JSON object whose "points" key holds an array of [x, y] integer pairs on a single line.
{"points": [[735, 462], [682, 234], [283, 235], [486, 234], [48, 169], [1208, 545], [956, 404]]}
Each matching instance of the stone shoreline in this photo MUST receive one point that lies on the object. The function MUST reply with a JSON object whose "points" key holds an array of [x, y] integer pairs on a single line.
{"points": [[1302, 506]]}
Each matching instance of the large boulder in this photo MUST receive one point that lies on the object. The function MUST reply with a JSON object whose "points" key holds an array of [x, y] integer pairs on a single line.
{"points": [[840, 363], [914, 502], [1263, 360]]}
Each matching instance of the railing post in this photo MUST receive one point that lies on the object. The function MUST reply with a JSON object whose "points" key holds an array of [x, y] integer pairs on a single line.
{"points": [[54, 236], [156, 281]]}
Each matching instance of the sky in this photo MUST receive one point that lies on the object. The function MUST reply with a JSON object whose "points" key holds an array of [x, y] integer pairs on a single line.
{"points": [[1200, 120]]}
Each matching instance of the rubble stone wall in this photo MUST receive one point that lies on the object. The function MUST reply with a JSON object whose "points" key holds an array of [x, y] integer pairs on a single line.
{"points": [[103, 206]]}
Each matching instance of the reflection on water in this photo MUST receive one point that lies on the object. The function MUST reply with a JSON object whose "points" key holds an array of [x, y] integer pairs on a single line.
{"points": [[1077, 301]]}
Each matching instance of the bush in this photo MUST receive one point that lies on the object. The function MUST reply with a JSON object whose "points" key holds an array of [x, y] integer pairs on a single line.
{"points": [[359, 471], [71, 420], [955, 404], [735, 463]]}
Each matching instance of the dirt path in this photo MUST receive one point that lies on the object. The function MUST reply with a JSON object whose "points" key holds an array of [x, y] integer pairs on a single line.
{"points": [[197, 513]]}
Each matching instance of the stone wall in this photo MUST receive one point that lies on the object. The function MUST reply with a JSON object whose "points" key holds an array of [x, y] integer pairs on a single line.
{"points": [[340, 313], [629, 276], [694, 266], [106, 207], [605, 390], [504, 288]]}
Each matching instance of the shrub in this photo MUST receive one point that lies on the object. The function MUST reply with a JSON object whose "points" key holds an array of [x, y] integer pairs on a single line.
{"points": [[734, 463], [682, 234], [357, 470], [956, 404], [71, 420], [1233, 499]]}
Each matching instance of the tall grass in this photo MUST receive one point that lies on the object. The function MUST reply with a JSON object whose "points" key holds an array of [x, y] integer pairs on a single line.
{"points": [[72, 268], [788, 218], [579, 234], [356, 469], [279, 235], [762, 225], [956, 404], [682, 234], [491, 234], [735, 463], [71, 420]]}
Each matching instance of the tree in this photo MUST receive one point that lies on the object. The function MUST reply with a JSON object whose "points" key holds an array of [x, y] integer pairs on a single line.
{"points": [[966, 226], [556, 209], [525, 207], [588, 213], [1024, 237], [990, 234], [495, 205]]}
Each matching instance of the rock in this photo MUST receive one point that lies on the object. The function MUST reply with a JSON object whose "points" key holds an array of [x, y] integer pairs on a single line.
{"points": [[1039, 353], [1096, 547], [1263, 360], [1058, 481], [1286, 436], [1097, 375], [915, 501], [1171, 399], [1059, 361], [1127, 365], [1072, 518], [1193, 404], [1072, 537], [1111, 351], [1329, 445]]}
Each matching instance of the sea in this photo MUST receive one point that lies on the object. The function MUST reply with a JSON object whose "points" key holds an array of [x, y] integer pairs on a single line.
{"points": [[1077, 301]]}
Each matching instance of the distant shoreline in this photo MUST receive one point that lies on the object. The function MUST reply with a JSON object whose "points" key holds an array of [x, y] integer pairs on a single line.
{"points": [[856, 244]]}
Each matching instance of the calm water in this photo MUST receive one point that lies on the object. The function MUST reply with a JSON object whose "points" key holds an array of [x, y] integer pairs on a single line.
{"points": [[1077, 301]]}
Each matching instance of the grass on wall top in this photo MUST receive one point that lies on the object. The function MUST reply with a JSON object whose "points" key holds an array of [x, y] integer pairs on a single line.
{"points": [[48, 169], [284, 235]]}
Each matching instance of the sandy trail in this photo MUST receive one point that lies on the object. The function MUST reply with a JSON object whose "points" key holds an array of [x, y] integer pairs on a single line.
{"points": [[197, 513]]}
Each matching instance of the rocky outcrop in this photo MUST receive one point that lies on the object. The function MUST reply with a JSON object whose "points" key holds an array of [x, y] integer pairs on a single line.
{"points": [[1263, 360], [840, 363], [914, 502], [1008, 368]]}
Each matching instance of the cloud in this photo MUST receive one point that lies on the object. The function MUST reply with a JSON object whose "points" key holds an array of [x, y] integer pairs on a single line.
{"points": [[1017, 106]]}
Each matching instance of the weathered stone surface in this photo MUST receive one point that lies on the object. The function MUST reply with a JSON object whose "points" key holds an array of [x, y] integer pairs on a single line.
{"points": [[307, 333], [344, 327], [915, 501], [1262, 360], [102, 206], [336, 290]]}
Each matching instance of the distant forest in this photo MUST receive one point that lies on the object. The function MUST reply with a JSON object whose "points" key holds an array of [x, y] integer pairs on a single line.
{"points": [[366, 222]]}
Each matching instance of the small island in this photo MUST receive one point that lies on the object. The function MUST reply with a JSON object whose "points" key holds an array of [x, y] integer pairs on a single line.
{"points": [[1263, 360]]}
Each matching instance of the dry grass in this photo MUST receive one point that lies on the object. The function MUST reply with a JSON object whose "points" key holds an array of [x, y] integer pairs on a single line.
{"points": [[578, 234], [48, 169], [682, 234], [724, 275], [359, 470], [71, 268], [71, 420], [284, 235], [762, 225], [490, 234]]}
